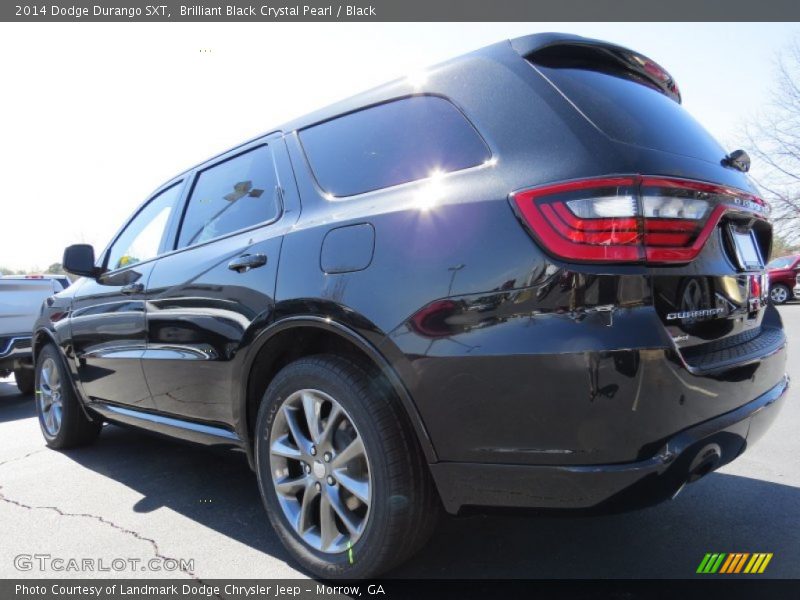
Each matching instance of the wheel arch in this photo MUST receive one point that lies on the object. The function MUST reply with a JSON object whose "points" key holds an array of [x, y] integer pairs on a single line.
{"points": [[43, 336], [294, 337], [40, 337]]}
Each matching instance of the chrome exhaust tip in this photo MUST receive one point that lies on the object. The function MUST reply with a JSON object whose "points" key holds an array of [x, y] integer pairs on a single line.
{"points": [[706, 461]]}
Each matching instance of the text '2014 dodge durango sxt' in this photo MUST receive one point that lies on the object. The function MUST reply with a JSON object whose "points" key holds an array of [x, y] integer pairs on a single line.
{"points": [[529, 279]]}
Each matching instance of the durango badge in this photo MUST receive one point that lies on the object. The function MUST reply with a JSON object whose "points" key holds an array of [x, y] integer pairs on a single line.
{"points": [[694, 314]]}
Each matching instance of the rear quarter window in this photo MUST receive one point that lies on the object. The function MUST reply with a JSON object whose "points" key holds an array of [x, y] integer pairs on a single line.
{"points": [[389, 144]]}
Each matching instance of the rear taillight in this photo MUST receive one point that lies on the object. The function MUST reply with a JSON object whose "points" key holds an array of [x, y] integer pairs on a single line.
{"points": [[629, 219], [755, 286]]}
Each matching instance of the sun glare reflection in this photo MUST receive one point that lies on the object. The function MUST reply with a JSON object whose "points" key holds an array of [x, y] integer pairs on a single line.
{"points": [[417, 79], [431, 191]]}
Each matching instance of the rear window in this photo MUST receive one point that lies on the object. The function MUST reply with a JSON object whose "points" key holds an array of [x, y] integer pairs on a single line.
{"points": [[389, 144], [628, 107]]}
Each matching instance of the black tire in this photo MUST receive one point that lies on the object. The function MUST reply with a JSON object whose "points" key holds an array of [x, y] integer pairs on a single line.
{"points": [[787, 297], [404, 504], [76, 429], [25, 380]]}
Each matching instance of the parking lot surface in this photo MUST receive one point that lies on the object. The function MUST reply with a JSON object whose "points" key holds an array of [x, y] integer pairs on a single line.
{"points": [[132, 496]]}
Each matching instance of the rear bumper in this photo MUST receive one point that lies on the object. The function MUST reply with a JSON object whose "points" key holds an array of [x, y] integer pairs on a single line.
{"points": [[14, 349], [699, 449]]}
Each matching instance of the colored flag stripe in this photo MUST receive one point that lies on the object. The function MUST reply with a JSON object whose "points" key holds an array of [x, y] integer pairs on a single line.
{"points": [[732, 567], [730, 563], [741, 562], [765, 563], [727, 564], [758, 562], [753, 563], [718, 563], [702, 567], [710, 564]]}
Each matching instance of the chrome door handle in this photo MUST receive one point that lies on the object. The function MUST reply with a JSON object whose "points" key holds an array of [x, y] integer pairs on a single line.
{"points": [[133, 288], [244, 263]]}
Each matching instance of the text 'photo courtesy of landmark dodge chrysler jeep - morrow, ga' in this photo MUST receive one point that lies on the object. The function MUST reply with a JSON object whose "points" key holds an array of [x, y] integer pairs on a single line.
{"points": [[529, 280]]}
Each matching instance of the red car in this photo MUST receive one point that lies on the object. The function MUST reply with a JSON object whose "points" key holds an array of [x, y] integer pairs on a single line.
{"points": [[782, 273]]}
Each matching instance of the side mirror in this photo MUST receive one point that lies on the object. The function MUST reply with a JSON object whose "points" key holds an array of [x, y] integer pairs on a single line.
{"points": [[79, 260]]}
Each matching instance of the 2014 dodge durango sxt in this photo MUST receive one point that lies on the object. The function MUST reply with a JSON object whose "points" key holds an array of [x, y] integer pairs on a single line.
{"points": [[527, 279]]}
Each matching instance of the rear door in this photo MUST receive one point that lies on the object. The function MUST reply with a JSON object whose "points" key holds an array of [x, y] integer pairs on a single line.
{"points": [[108, 322], [219, 281]]}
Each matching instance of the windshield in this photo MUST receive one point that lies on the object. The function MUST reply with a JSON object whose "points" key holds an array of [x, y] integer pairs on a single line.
{"points": [[784, 262]]}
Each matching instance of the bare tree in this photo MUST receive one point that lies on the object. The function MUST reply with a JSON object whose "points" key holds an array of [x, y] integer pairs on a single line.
{"points": [[774, 141]]}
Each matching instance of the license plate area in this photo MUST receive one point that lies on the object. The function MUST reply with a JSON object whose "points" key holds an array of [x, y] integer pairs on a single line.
{"points": [[745, 249]]}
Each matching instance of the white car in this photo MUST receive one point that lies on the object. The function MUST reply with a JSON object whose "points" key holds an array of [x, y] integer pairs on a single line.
{"points": [[21, 297]]}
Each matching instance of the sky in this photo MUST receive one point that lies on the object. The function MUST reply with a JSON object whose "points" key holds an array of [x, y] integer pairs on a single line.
{"points": [[94, 116]]}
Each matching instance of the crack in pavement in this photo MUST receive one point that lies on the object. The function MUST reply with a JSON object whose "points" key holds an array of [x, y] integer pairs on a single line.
{"points": [[104, 521], [18, 458]]}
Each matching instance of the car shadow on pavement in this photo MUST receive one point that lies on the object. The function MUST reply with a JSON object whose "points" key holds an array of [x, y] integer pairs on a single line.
{"points": [[13, 405], [721, 513], [214, 487]]}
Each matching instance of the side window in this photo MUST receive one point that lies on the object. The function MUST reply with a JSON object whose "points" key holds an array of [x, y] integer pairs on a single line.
{"points": [[230, 196], [142, 237], [391, 143]]}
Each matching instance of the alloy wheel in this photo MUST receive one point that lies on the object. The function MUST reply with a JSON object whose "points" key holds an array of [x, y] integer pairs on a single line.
{"points": [[49, 397], [320, 471], [779, 294]]}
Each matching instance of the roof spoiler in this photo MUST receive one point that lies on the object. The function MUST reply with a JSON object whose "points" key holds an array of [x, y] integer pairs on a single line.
{"points": [[531, 45]]}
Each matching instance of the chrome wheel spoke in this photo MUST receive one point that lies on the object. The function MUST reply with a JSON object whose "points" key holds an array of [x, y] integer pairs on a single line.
{"points": [[290, 486], [51, 375], [284, 447], [45, 378], [333, 420], [341, 510], [359, 489], [354, 449], [300, 438], [311, 407], [56, 410], [327, 523], [49, 419], [305, 518]]}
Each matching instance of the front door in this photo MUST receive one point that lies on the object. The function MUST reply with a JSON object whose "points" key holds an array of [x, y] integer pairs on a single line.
{"points": [[108, 318]]}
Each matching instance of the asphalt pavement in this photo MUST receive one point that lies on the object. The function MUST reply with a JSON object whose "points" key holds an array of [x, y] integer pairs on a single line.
{"points": [[133, 496]]}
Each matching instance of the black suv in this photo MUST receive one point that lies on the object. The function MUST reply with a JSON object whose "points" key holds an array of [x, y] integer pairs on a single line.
{"points": [[526, 278]]}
